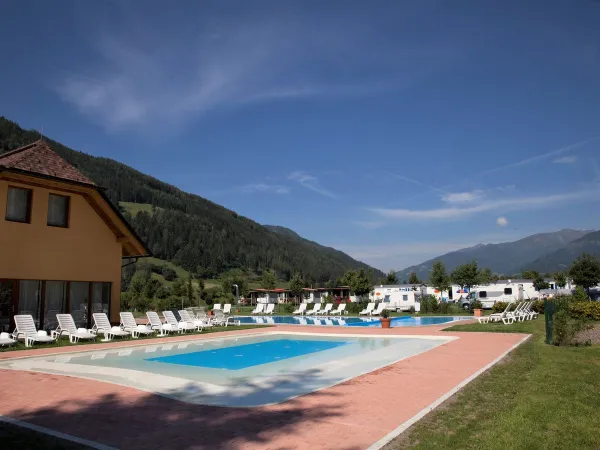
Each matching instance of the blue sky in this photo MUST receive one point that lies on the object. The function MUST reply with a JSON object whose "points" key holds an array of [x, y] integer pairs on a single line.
{"points": [[393, 130]]}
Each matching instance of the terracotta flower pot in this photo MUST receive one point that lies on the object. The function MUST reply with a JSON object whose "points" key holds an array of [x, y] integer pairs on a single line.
{"points": [[478, 312], [385, 322]]}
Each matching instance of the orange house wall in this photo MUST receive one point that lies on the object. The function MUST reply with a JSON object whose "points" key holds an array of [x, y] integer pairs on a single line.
{"points": [[86, 251]]}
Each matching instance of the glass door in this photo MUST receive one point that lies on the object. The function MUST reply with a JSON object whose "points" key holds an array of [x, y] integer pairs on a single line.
{"points": [[6, 304]]}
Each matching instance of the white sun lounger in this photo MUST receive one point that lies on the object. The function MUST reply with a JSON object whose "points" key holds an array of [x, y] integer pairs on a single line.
{"points": [[102, 326], [222, 319], [378, 310], [368, 309], [227, 308], [326, 310], [270, 308], [200, 314], [217, 306], [177, 326], [315, 310], [25, 328], [128, 323], [258, 309], [187, 318], [341, 309], [6, 340], [157, 325], [66, 325], [301, 309]]}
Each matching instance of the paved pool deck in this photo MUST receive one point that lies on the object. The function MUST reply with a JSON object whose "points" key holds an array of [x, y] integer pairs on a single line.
{"points": [[352, 415]]}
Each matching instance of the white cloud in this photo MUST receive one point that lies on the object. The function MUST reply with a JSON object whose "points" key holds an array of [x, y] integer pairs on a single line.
{"points": [[462, 197], [140, 76], [310, 182], [565, 160], [509, 204], [267, 188], [502, 221]]}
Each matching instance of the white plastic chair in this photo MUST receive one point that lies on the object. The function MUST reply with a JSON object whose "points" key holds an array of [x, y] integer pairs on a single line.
{"points": [[177, 326], [129, 324], [102, 325], [258, 309], [187, 318], [301, 309], [25, 328], [341, 309], [270, 308], [157, 325], [315, 310], [66, 325], [368, 309]]}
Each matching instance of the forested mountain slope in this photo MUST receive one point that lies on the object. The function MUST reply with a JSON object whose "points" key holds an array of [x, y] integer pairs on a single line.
{"points": [[192, 231]]}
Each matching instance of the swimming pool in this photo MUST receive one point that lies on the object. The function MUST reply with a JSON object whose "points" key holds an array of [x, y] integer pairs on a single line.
{"points": [[404, 321], [243, 371]]}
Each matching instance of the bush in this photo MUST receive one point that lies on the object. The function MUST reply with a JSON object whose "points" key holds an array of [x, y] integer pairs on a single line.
{"points": [[429, 304], [579, 295], [356, 307], [538, 306], [499, 307], [289, 307], [584, 310], [169, 273], [565, 328]]}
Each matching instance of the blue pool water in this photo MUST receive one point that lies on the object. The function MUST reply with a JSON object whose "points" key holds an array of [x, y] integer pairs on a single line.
{"points": [[405, 321], [249, 355]]}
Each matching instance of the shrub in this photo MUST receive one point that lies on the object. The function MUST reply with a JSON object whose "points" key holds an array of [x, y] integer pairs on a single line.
{"points": [[584, 310], [579, 295], [289, 307], [538, 306], [499, 307], [565, 328], [476, 304], [169, 273], [356, 307], [411, 310]]}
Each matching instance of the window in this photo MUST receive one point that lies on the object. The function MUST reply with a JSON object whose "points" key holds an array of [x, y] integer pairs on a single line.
{"points": [[79, 296], [507, 291], [482, 294], [29, 299], [56, 303], [58, 211], [18, 205], [101, 298], [405, 298]]}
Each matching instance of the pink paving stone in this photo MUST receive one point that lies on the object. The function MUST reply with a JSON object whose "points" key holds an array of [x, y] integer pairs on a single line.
{"points": [[350, 415]]}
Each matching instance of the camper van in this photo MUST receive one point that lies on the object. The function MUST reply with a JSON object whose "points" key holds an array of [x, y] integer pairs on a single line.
{"points": [[399, 297], [502, 291]]}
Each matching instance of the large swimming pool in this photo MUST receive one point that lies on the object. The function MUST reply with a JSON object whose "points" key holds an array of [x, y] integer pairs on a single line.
{"points": [[404, 321], [243, 371]]}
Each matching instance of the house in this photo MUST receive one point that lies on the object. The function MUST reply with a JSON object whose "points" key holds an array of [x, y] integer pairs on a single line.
{"points": [[269, 296], [61, 241]]}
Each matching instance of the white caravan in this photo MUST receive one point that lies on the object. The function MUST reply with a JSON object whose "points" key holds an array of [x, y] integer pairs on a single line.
{"points": [[399, 297], [501, 291]]}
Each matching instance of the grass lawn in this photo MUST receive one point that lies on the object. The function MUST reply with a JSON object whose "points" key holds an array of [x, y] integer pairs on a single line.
{"points": [[540, 396], [134, 208], [64, 341]]}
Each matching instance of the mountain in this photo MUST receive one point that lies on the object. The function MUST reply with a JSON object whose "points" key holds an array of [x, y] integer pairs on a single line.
{"points": [[507, 258], [191, 231], [561, 259]]}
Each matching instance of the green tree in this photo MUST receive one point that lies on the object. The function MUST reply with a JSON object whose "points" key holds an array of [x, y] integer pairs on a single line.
{"points": [[439, 278], [391, 277], [235, 276], [539, 283], [561, 279], [530, 274], [189, 291], [485, 277], [585, 271], [413, 278], [361, 283], [268, 279], [296, 286], [466, 275]]}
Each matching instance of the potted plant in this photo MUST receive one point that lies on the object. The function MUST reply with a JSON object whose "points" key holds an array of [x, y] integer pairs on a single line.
{"points": [[477, 308], [385, 319]]}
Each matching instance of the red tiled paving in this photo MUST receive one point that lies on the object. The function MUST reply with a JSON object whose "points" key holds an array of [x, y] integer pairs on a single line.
{"points": [[351, 415]]}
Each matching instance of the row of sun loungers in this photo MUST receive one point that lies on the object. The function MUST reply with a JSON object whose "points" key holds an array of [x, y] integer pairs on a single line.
{"points": [[521, 311], [317, 311], [191, 319]]}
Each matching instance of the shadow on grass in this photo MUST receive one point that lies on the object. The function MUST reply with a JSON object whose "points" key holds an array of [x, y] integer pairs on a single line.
{"points": [[127, 419]]}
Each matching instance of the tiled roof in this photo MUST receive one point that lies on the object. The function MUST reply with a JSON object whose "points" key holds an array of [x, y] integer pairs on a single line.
{"points": [[39, 158]]}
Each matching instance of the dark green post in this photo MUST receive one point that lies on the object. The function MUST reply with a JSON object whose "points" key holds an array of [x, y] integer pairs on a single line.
{"points": [[548, 315]]}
